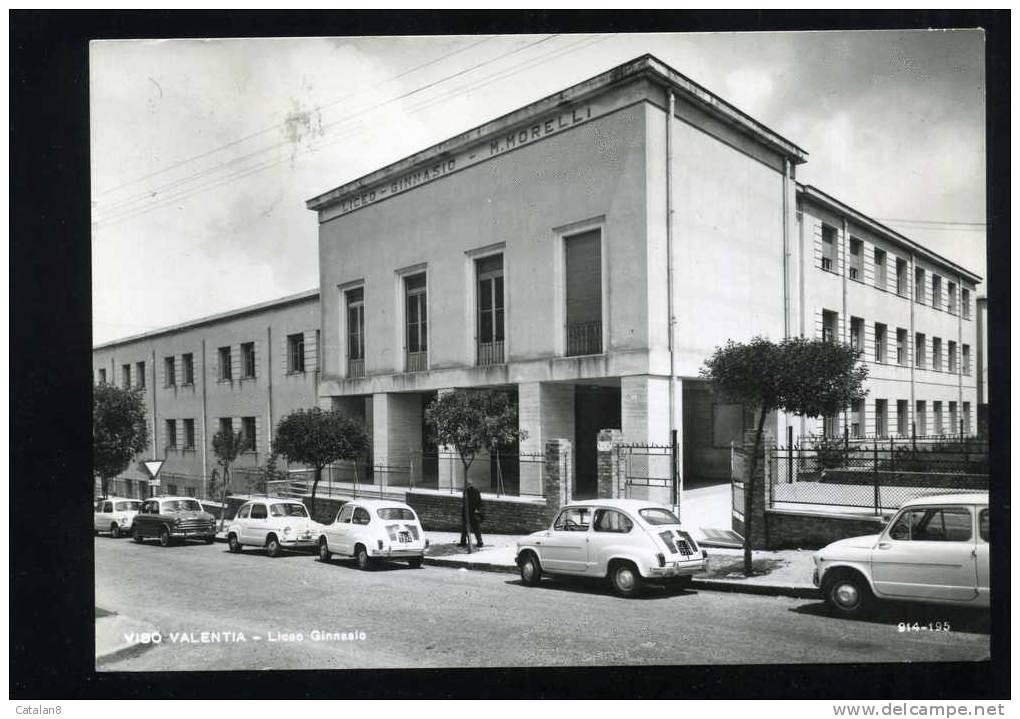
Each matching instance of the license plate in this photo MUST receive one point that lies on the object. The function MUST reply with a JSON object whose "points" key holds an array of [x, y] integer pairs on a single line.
{"points": [[405, 536]]}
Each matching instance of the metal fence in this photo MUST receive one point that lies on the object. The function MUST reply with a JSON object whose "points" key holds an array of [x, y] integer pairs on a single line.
{"points": [[644, 465], [515, 475]]}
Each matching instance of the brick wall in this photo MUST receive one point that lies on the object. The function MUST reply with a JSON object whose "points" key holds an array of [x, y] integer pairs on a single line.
{"points": [[442, 513], [802, 530]]}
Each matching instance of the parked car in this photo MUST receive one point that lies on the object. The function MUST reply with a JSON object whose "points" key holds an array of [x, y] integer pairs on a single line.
{"points": [[173, 518], [115, 515], [274, 523], [374, 529], [934, 549], [628, 541]]}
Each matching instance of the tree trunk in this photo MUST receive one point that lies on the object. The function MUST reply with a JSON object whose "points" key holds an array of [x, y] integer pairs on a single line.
{"points": [[102, 482], [749, 489], [315, 486], [465, 514], [223, 496]]}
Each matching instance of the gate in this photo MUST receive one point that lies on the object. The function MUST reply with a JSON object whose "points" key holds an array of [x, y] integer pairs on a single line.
{"points": [[645, 466]]}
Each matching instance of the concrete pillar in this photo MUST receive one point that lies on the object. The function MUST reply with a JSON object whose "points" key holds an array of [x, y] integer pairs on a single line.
{"points": [[396, 428], [608, 466], [545, 412], [760, 491], [644, 415], [558, 470]]}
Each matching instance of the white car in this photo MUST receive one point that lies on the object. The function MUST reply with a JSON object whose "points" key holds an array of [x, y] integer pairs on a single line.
{"points": [[115, 515], [274, 523], [935, 549], [627, 540], [373, 529]]}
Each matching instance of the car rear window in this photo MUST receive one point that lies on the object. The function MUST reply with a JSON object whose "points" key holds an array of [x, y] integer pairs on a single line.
{"points": [[288, 509], [657, 516], [128, 506], [395, 513]]}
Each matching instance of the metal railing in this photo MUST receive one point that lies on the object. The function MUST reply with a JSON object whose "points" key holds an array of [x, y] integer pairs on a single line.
{"points": [[355, 367], [490, 353], [417, 361], [584, 338], [514, 474], [644, 465]]}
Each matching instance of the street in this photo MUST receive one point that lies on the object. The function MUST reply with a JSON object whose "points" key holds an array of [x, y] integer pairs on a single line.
{"points": [[439, 617]]}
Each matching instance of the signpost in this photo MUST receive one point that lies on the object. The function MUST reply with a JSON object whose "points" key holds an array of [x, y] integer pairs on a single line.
{"points": [[152, 466]]}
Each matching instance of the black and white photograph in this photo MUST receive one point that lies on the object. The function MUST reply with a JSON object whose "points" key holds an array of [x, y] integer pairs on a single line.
{"points": [[540, 350]]}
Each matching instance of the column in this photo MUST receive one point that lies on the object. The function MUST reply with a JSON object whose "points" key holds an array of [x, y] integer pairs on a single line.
{"points": [[545, 412], [396, 433], [644, 415]]}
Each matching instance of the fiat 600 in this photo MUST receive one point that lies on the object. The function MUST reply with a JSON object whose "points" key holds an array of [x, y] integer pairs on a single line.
{"points": [[273, 523], [374, 529]]}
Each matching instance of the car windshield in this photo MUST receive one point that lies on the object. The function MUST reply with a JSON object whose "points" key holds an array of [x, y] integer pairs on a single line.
{"points": [[181, 505], [290, 509], [128, 506], [656, 516], [395, 513]]}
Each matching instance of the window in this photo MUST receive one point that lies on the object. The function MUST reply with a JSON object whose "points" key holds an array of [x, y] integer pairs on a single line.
{"points": [[226, 425], [416, 318], [901, 277], [966, 418], [346, 512], [933, 524], [830, 426], [937, 410], [248, 434], [171, 488], [289, 509], [954, 419], [919, 285], [226, 372], [140, 373], [828, 248], [171, 434], [919, 342], [188, 368], [489, 271], [169, 371], [901, 346], [573, 519], [125, 375], [102, 376], [609, 520], [248, 360], [936, 292], [583, 273], [881, 418], [190, 491], [258, 511], [951, 292], [966, 359], [189, 434], [361, 516], [921, 417], [880, 341], [965, 303], [295, 353], [902, 417], [830, 326], [880, 272], [984, 525], [857, 334], [355, 332], [244, 512], [856, 417], [107, 507], [952, 357], [856, 259], [936, 354]]}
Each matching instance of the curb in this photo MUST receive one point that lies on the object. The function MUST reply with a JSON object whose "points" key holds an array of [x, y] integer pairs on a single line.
{"points": [[126, 649], [478, 566]]}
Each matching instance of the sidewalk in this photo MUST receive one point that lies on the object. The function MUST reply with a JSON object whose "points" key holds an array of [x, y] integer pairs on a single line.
{"points": [[781, 573], [118, 636]]}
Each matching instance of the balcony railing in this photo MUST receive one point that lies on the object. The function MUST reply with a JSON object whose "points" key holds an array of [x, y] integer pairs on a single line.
{"points": [[490, 353], [417, 361], [355, 367], [584, 338]]}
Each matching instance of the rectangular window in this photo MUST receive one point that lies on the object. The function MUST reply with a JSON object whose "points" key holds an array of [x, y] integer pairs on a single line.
{"points": [[965, 302], [170, 371], [919, 285], [489, 271], [583, 273], [919, 342], [856, 259], [140, 373], [171, 434], [902, 417], [355, 332], [951, 292], [248, 360], [102, 376], [830, 326], [952, 357], [882, 417], [936, 354], [226, 373], [296, 353], [881, 332], [416, 335], [125, 375], [828, 248], [966, 417], [830, 427], [171, 489], [189, 434], [248, 433], [936, 292], [954, 419], [191, 491], [901, 347], [226, 425], [966, 359], [856, 417], [857, 334], [901, 277], [921, 418], [880, 270], [937, 409], [188, 368]]}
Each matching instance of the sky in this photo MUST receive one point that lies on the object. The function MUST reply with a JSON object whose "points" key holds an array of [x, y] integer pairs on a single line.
{"points": [[203, 152]]}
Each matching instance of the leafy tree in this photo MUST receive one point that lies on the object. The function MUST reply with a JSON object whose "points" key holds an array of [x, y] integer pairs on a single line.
{"points": [[227, 446], [317, 438], [269, 472], [811, 378], [119, 429]]}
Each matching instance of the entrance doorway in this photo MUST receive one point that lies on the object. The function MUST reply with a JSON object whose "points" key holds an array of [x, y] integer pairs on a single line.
{"points": [[596, 407]]}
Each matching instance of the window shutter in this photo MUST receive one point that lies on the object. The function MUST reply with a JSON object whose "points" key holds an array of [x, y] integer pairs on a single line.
{"points": [[162, 370], [235, 362], [257, 349], [178, 369], [235, 424], [284, 356], [164, 437], [583, 278], [311, 351], [258, 432]]}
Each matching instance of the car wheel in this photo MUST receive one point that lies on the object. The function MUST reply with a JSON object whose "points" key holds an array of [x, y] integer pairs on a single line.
{"points": [[324, 554], [137, 536], [531, 570], [364, 561], [625, 579], [233, 545], [847, 593], [415, 562], [164, 537], [273, 546], [114, 531]]}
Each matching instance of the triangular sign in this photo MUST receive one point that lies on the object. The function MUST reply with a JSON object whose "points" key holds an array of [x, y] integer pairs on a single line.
{"points": [[153, 466]]}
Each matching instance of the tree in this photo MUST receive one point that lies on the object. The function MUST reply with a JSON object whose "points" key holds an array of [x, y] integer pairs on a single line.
{"points": [[227, 446], [811, 378], [317, 438], [119, 429], [269, 472]]}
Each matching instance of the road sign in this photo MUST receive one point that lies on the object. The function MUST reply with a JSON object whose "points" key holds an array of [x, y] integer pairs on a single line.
{"points": [[153, 466]]}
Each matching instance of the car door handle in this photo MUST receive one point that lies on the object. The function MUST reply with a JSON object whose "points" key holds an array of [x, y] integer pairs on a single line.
{"points": [[973, 552], [884, 545]]}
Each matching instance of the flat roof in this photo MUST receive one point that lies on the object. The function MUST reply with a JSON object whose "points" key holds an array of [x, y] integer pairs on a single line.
{"points": [[210, 319], [826, 200], [643, 66]]}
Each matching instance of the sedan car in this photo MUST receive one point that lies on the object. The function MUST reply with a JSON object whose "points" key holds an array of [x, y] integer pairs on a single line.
{"points": [[115, 515], [374, 529], [934, 549], [173, 518], [628, 541], [274, 523]]}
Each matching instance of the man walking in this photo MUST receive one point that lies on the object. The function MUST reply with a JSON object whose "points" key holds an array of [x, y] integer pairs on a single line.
{"points": [[471, 515]]}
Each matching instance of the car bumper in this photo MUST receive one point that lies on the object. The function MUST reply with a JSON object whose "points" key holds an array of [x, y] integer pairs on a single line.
{"points": [[398, 553], [193, 533], [681, 568], [301, 543]]}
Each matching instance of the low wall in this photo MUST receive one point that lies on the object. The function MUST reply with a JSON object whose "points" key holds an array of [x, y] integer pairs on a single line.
{"points": [[906, 479], [807, 530], [442, 513]]}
